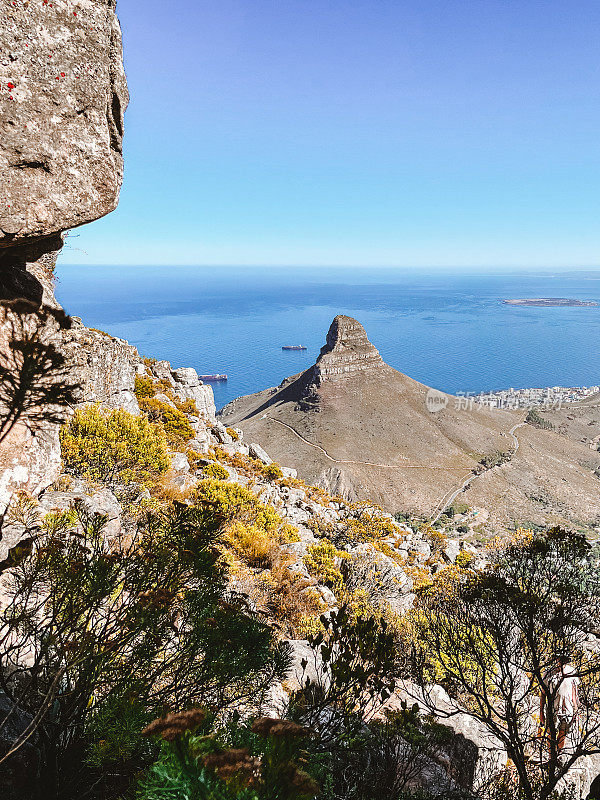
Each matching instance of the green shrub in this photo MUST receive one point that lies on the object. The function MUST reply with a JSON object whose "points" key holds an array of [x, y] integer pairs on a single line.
{"points": [[320, 561], [96, 627], [113, 446], [272, 471], [464, 559], [244, 761], [535, 418], [187, 406], [144, 387], [175, 424], [215, 470]]}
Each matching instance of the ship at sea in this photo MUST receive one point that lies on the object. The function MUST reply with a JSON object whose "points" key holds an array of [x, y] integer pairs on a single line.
{"points": [[209, 378], [293, 347]]}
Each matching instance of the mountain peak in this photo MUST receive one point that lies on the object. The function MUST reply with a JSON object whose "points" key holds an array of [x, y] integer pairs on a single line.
{"points": [[347, 350]]}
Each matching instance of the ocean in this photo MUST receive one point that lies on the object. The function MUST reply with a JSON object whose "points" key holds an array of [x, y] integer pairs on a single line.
{"points": [[446, 329]]}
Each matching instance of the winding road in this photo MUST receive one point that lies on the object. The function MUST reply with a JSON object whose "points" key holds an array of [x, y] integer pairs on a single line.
{"points": [[448, 498], [451, 497], [364, 463]]}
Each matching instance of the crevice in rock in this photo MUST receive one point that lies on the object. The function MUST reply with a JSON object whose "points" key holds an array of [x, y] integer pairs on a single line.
{"points": [[26, 270], [32, 165]]}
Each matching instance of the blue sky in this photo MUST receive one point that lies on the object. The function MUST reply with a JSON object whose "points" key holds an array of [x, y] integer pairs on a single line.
{"points": [[357, 132]]}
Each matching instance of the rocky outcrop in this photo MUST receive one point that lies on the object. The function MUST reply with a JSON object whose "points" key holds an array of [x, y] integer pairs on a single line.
{"points": [[103, 365], [62, 97], [347, 349], [188, 386]]}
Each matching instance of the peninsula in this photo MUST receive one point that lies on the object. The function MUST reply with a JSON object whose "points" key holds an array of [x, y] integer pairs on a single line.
{"points": [[548, 301]]}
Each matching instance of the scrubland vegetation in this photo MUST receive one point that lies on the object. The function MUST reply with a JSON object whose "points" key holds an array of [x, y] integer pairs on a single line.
{"points": [[147, 659]]}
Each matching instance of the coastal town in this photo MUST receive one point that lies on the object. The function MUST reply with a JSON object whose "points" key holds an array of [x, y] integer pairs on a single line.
{"points": [[545, 397]]}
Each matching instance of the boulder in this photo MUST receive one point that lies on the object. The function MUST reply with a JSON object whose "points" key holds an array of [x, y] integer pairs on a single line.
{"points": [[256, 451], [61, 128], [451, 550], [188, 386], [219, 431], [162, 371], [382, 577], [102, 501], [179, 462], [103, 365], [474, 749]]}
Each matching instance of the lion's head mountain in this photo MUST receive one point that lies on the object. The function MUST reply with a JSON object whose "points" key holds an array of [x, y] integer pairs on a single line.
{"points": [[358, 427]]}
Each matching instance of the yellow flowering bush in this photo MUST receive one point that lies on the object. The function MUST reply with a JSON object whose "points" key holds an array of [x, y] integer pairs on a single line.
{"points": [[215, 470], [175, 424], [320, 561], [113, 445]]}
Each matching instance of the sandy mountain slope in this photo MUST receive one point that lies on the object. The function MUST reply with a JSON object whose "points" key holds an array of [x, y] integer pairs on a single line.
{"points": [[356, 426]]}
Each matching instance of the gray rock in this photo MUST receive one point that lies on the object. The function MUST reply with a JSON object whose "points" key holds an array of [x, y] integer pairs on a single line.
{"points": [[102, 501], [61, 127], [382, 577], [220, 433], [422, 548], [104, 366], [188, 386], [327, 595], [451, 550], [184, 482], [186, 376], [288, 472], [474, 747], [256, 451], [179, 462], [162, 371], [298, 551], [164, 398]]}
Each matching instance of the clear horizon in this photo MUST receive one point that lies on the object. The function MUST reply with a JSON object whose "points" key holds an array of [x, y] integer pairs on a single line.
{"points": [[440, 135]]}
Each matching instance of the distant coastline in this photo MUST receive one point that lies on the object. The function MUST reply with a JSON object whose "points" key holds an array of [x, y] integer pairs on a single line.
{"points": [[548, 301]]}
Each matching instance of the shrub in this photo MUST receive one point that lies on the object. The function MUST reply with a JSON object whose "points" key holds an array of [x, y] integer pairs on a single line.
{"points": [[290, 597], [366, 522], [175, 424], [115, 635], [144, 387], [535, 418], [320, 561], [272, 471], [436, 540], [232, 501], [464, 559], [257, 760], [215, 470], [531, 608], [233, 433], [187, 406], [113, 446], [250, 542], [353, 666], [251, 528], [494, 459]]}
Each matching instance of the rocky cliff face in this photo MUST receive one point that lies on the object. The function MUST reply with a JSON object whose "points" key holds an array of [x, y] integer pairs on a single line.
{"points": [[347, 350], [62, 97]]}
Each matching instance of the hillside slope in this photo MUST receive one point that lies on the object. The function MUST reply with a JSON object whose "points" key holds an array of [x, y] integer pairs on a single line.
{"points": [[356, 426]]}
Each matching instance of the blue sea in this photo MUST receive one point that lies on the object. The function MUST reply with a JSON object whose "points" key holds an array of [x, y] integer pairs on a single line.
{"points": [[447, 329]]}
